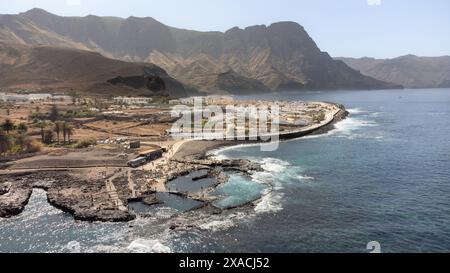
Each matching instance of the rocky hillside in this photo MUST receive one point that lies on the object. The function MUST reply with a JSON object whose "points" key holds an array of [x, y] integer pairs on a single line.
{"points": [[410, 71], [65, 69], [258, 58]]}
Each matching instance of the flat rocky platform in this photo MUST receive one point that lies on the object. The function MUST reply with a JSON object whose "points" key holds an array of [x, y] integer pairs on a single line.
{"points": [[103, 197]]}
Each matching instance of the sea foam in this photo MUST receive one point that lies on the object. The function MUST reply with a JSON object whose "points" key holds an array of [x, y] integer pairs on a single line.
{"points": [[148, 246], [217, 225], [274, 165], [305, 177], [73, 247], [270, 203], [355, 111]]}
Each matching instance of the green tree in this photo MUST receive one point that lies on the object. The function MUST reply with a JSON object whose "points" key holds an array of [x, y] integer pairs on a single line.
{"points": [[7, 126], [48, 136], [22, 128], [64, 131], [58, 128], [68, 130], [22, 140], [42, 125], [319, 117], [5, 142], [54, 113]]}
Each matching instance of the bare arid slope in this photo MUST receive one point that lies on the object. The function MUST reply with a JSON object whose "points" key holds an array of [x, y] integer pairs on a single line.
{"points": [[66, 69], [410, 71], [258, 58]]}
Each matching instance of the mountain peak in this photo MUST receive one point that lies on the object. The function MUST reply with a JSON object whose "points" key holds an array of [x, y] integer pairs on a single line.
{"points": [[408, 56], [233, 29], [287, 25], [134, 18], [282, 25], [37, 11]]}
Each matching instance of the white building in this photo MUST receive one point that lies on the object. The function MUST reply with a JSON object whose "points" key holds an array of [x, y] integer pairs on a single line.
{"points": [[14, 98], [132, 100], [222, 100], [192, 100], [39, 97], [61, 98], [19, 98]]}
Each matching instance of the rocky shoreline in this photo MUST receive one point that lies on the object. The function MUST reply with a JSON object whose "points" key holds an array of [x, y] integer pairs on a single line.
{"points": [[106, 197], [104, 200]]}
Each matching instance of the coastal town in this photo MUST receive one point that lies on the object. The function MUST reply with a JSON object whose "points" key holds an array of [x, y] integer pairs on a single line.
{"points": [[224, 136], [99, 157]]}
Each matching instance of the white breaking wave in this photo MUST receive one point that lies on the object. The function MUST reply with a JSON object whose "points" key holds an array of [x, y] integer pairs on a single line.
{"points": [[220, 157], [164, 213], [218, 153], [275, 171], [305, 177], [262, 177], [73, 247], [270, 203], [148, 246], [349, 128], [355, 111], [351, 124], [376, 114], [217, 225], [274, 165]]}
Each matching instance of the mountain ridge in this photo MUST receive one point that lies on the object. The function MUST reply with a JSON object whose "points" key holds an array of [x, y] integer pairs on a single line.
{"points": [[43, 68], [279, 56], [409, 70]]}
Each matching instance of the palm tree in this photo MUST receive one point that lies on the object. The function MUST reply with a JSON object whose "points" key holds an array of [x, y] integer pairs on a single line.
{"points": [[64, 130], [8, 126], [22, 128], [54, 113], [21, 140], [42, 125], [58, 127], [5, 142], [48, 136], [69, 131]]}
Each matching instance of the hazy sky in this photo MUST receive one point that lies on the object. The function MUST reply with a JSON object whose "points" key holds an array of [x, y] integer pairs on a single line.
{"points": [[378, 28]]}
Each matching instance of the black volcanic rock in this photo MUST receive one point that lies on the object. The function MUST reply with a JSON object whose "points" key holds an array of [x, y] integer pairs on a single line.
{"points": [[153, 83], [83, 71]]}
